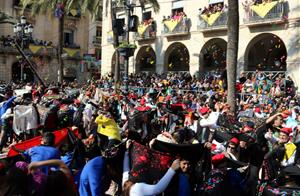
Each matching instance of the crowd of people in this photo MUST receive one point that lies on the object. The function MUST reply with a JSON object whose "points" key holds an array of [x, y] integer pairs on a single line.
{"points": [[213, 8], [171, 134], [152, 27], [7, 40], [257, 2], [181, 18], [176, 16]]}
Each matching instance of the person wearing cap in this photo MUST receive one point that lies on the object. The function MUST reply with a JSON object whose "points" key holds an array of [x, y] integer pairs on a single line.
{"points": [[209, 119], [249, 127], [143, 107], [284, 145], [258, 113], [231, 152]]}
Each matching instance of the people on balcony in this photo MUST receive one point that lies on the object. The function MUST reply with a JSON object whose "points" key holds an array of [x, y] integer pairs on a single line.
{"points": [[152, 28], [257, 2], [6, 41], [180, 17], [213, 8]]}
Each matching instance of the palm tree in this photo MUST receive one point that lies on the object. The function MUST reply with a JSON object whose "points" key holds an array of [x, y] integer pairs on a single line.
{"points": [[61, 7], [5, 18], [232, 51]]}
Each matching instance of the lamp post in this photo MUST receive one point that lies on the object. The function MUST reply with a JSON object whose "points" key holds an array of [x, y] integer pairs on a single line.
{"points": [[129, 6], [23, 32]]}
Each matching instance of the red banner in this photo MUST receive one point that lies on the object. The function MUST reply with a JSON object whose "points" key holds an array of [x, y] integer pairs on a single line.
{"points": [[60, 137]]}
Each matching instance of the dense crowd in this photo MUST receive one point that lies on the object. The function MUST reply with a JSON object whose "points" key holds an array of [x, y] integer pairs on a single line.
{"points": [[213, 8], [171, 134]]}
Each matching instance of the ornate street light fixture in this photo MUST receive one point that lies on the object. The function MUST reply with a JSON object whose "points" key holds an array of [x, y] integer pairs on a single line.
{"points": [[23, 31]]}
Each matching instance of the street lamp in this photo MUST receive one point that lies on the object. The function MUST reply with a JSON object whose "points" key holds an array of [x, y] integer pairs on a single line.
{"points": [[23, 32], [129, 6]]}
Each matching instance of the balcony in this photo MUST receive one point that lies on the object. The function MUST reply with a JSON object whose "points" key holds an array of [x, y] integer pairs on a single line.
{"points": [[146, 32], [40, 50], [212, 22], [7, 49], [97, 41], [33, 50], [71, 52], [176, 27], [266, 13], [110, 37]]}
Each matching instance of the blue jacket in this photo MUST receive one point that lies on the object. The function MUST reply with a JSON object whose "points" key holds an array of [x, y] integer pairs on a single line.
{"points": [[42, 153], [5, 106], [93, 179]]}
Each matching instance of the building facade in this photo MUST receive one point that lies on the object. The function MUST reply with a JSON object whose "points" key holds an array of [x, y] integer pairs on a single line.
{"points": [[192, 36], [42, 50]]}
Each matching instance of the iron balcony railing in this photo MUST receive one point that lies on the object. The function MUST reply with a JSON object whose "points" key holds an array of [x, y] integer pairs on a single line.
{"points": [[182, 27], [96, 40], [276, 13], [110, 38], [220, 22], [267, 74], [7, 48]]}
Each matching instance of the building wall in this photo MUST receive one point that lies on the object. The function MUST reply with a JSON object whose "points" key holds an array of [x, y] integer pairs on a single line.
{"points": [[46, 28], [289, 32]]}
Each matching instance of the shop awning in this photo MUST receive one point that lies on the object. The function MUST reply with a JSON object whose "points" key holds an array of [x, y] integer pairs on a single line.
{"points": [[215, 1]]}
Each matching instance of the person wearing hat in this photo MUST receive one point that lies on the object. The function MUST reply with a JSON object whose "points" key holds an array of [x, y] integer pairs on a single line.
{"points": [[231, 152], [248, 127], [258, 113], [287, 149], [209, 119], [143, 107]]}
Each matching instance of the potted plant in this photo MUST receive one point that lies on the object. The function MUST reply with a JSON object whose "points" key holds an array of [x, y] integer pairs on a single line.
{"points": [[126, 49]]}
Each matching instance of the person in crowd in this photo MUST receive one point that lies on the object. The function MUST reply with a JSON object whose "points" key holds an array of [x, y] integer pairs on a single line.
{"points": [[107, 127], [45, 151], [131, 188], [58, 182], [191, 111]]}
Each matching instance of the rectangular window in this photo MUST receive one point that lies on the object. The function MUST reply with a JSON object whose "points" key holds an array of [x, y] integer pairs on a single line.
{"points": [[146, 16], [99, 32], [177, 4], [177, 10], [98, 54], [215, 1], [68, 38]]}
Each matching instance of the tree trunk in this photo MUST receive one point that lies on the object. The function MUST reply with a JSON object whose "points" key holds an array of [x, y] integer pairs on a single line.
{"points": [[60, 48], [232, 51]]}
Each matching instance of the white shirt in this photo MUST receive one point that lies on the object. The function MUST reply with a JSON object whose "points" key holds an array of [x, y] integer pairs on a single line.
{"points": [[143, 189], [211, 121]]}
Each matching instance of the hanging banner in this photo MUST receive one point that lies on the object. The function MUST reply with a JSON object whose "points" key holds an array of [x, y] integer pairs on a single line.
{"points": [[73, 12], [110, 36], [171, 24], [72, 52], [142, 29], [264, 8], [211, 19], [34, 49]]}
